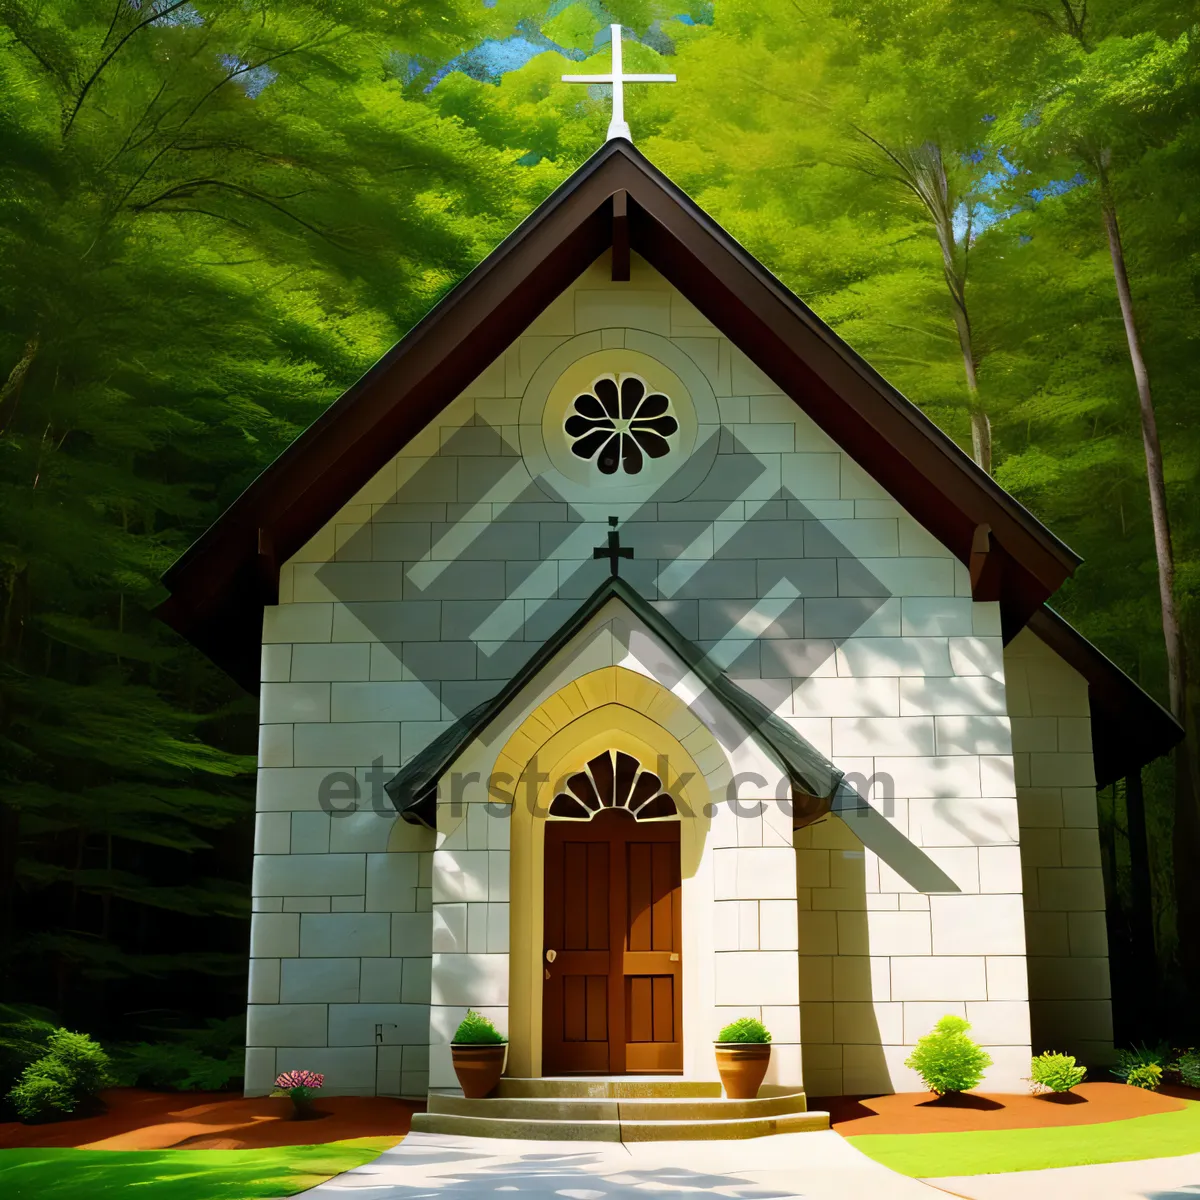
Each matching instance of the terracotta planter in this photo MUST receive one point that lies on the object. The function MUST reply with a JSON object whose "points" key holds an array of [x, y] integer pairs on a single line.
{"points": [[743, 1066], [478, 1068]]}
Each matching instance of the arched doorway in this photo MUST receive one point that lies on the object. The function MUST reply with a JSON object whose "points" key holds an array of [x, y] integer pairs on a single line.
{"points": [[604, 711], [612, 930]]}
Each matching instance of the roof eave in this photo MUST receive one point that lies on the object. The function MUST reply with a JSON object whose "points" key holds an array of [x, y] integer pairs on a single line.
{"points": [[1129, 727]]}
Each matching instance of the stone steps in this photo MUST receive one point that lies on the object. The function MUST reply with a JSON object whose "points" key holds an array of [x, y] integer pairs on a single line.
{"points": [[610, 1087], [616, 1110]]}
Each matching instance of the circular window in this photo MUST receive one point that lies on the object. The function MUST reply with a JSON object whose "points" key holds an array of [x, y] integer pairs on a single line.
{"points": [[619, 423]]}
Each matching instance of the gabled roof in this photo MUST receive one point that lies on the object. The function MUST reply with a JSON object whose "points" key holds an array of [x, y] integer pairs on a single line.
{"points": [[219, 585], [814, 779]]}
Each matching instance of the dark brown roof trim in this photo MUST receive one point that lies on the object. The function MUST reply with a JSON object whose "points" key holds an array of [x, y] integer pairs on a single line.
{"points": [[1129, 727], [219, 586]]}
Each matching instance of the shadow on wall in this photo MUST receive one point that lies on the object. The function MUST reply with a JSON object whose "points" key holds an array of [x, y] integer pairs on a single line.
{"points": [[469, 564], [839, 1031]]}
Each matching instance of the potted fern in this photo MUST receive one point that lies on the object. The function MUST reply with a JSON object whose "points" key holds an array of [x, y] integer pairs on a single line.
{"points": [[743, 1054], [479, 1051]]}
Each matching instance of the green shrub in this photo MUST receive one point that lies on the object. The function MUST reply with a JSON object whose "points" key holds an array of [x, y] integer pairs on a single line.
{"points": [[185, 1060], [1140, 1056], [746, 1030], [947, 1060], [1055, 1072], [476, 1030], [1147, 1075], [1188, 1066], [70, 1073]]}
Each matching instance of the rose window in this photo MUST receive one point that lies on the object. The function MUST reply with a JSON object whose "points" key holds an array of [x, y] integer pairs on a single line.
{"points": [[620, 426], [613, 780]]}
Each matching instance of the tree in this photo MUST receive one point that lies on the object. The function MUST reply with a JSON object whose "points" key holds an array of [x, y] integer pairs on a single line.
{"points": [[921, 171], [212, 219], [867, 96], [1116, 87], [1111, 83]]}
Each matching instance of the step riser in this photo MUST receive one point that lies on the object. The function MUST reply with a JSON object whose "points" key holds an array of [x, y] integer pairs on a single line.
{"points": [[500, 1127], [659, 1109], [607, 1089], [617, 1131], [711, 1110], [704, 1131], [526, 1109]]}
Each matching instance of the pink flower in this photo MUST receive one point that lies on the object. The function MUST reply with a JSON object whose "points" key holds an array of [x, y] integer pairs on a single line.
{"points": [[299, 1079]]}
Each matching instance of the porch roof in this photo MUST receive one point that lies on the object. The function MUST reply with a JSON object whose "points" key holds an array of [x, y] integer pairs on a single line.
{"points": [[814, 779]]}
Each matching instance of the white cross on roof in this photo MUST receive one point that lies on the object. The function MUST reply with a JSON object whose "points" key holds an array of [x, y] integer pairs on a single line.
{"points": [[618, 126]]}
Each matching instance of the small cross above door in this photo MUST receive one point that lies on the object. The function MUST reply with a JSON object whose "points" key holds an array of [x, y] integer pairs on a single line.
{"points": [[613, 551]]}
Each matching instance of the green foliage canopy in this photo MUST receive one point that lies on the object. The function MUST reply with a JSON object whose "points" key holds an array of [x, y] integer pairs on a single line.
{"points": [[213, 218]]}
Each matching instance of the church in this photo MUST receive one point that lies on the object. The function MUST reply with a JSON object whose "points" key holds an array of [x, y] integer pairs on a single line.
{"points": [[633, 658]]}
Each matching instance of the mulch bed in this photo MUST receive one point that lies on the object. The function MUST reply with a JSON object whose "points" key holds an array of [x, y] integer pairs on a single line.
{"points": [[134, 1119], [923, 1112]]}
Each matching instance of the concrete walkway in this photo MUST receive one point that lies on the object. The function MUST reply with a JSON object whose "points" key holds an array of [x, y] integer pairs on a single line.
{"points": [[1149, 1179], [816, 1166]]}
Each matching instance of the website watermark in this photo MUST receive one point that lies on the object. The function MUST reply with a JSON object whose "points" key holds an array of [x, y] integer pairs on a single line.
{"points": [[746, 794]]}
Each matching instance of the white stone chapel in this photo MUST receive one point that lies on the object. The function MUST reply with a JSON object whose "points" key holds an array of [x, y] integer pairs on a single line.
{"points": [[632, 657]]}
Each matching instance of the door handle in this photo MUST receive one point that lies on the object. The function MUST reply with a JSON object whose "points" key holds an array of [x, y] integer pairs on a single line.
{"points": [[551, 955]]}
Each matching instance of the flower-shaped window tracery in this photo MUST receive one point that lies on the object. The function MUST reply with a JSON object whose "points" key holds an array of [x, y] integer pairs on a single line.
{"points": [[620, 425]]}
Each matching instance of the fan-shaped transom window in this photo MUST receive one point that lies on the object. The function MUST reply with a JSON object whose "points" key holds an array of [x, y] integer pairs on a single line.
{"points": [[620, 423], [613, 779]]}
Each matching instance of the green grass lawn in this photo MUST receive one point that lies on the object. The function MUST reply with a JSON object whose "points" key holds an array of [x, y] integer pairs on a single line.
{"points": [[178, 1174], [925, 1155]]}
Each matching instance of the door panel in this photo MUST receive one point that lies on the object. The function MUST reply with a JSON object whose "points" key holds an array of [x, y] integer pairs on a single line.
{"points": [[577, 924], [612, 996]]}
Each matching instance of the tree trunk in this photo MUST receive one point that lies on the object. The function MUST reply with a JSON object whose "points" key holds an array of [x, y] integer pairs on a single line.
{"points": [[1176, 667], [1185, 834], [954, 266], [981, 439], [922, 170], [981, 426]]}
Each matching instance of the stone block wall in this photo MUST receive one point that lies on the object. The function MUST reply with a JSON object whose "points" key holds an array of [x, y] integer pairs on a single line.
{"points": [[339, 949], [881, 961], [1069, 989]]}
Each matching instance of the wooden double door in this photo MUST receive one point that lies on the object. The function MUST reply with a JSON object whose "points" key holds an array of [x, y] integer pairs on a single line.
{"points": [[612, 952]]}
